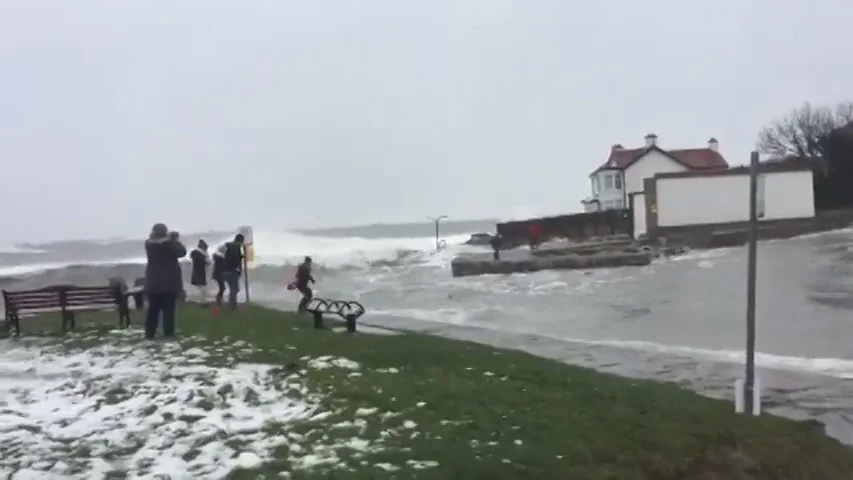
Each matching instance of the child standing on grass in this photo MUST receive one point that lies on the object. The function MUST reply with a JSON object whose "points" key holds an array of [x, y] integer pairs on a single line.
{"points": [[200, 260]]}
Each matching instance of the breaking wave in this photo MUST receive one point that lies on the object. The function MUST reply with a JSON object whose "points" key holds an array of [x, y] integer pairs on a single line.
{"points": [[281, 249]]}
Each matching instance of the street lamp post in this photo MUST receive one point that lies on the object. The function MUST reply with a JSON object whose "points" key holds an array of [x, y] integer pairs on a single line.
{"points": [[437, 222]]}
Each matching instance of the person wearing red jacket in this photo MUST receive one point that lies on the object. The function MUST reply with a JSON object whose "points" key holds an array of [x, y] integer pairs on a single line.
{"points": [[535, 234]]}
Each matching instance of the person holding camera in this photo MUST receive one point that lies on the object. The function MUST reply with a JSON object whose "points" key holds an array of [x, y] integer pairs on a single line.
{"points": [[163, 279]]}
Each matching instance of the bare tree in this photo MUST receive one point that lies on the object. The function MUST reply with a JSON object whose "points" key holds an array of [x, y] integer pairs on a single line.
{"points": [[804, 131]]}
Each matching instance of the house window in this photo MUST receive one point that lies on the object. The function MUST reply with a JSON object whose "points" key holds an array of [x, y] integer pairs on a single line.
{"points": [[617, 179], [608, 182], [618, 203]]}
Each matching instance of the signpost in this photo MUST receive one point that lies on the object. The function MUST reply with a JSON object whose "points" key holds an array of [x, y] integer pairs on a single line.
{"points": [[751, 401], [437, 221], [248, 254], [759, 186]]}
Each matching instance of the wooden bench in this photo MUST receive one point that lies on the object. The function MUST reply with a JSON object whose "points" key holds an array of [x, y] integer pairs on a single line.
{"points": [[66, 300], [348, 311]]}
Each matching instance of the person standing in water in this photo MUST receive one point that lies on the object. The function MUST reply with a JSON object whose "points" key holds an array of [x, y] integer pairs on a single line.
{"points": [[200, 260], [535, 236], [303, 278], [495, 242]]}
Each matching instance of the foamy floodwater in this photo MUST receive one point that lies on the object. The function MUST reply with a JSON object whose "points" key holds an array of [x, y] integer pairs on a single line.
{"points": [[638, 321], [145, 409]]}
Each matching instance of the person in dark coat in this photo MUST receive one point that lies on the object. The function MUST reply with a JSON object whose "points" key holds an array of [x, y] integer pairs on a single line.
{"points": [[303, 278], [228, 268], [495, 242], [200, 260], [163, 279]]}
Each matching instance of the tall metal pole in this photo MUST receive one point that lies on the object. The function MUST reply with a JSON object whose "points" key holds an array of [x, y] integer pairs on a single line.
{"points": [[246, 274], [749, 382], [437, 221], [248, 241]]}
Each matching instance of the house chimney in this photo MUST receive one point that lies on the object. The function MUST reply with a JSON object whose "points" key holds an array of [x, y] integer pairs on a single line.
{"points": [[616, 146], [651, 139], [713, 144]]}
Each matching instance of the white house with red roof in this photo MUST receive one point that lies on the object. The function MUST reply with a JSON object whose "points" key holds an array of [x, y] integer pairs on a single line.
{"points": [[625, 169]]}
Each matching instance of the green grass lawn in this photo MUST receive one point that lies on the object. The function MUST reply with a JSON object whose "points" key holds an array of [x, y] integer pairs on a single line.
{"points": [[434, 408]]}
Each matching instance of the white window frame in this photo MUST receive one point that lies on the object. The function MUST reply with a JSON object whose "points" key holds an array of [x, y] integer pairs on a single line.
{"points": [[608, 182], [617, 182]]}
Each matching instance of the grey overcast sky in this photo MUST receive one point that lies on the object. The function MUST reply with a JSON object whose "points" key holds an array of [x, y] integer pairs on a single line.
{"points": [[283, 113]]}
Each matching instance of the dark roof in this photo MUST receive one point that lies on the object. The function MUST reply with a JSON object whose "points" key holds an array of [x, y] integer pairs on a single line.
{"points": [[692, 158]]}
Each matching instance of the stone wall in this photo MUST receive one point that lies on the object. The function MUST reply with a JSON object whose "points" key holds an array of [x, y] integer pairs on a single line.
{"points": [[737, 233], [579, 226]]}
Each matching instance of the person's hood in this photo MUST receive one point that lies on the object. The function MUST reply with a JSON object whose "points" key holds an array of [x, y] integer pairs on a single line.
{"points": [[152, 239]]}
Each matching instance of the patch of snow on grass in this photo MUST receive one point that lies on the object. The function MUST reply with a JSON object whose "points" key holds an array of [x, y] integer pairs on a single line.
{"points": [[328, 361], [421, 464], [145, 409]]}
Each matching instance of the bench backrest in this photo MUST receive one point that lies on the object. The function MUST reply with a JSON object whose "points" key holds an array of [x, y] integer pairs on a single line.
{"points": [[65, 297]]}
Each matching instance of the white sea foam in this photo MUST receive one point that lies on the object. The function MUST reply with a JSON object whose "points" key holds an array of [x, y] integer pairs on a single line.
{"points": [[31, 268], [836, 367], [17, 249], [279, 248], [288, 248]]}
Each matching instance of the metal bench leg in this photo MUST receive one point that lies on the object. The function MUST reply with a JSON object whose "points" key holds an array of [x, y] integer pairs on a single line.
{"points": [[14, 321], [351, 323], [318, 320], [68, 321]]}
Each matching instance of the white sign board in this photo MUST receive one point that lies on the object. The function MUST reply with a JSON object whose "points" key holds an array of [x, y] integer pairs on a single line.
{"points": [[759, 194], [248, 235]]}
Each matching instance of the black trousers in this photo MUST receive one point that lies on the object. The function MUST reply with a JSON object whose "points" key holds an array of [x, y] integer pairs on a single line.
{"points": [[160, 304], [307, 295], [220, 284]]}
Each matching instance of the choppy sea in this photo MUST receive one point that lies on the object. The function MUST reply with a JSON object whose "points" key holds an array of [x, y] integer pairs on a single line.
{"points": [[681, 319]]}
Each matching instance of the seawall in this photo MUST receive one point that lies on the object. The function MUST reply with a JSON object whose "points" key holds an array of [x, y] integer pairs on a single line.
{"points": [[737, 233], [616, 252]]}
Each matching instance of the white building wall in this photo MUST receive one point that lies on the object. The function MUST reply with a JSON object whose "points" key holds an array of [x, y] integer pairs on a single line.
{"points": [[725, 198], [639, 214], [646, 167]]}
